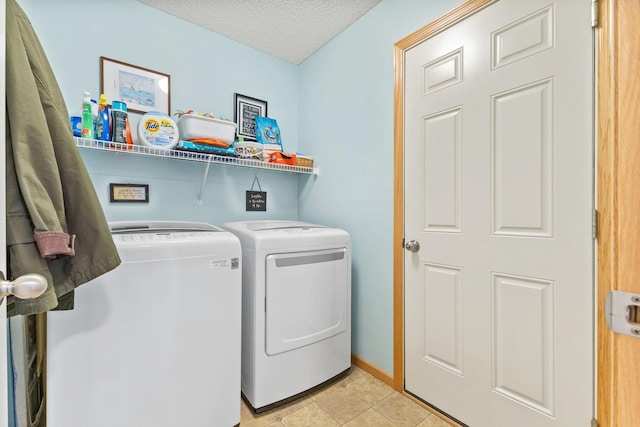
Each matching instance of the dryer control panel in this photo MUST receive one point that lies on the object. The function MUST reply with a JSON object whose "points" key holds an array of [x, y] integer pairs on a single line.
{"points": [[303, 230]]}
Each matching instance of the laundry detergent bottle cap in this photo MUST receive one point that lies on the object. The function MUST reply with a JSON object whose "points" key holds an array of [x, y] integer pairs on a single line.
{"points": [[119, 106]]}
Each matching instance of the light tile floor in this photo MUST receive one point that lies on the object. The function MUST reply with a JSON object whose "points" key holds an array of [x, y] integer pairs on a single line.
{"points": [[359, 399]]}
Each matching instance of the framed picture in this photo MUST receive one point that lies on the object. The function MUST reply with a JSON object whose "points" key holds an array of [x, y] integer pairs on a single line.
{"points": [[247, 108], [129, 193], [143, 90]]}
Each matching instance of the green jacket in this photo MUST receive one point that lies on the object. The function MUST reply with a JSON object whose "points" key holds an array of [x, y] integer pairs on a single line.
{"points": [[55, 224]]}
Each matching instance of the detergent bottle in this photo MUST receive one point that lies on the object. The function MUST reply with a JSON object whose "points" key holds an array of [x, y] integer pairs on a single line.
{"points": [[103, 132], [121, 128], [87, 117], [119, 113], [94, 114]]}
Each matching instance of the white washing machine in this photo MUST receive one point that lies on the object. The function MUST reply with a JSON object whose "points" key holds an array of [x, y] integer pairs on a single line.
{"points": [[156, 341], [296, 308]]}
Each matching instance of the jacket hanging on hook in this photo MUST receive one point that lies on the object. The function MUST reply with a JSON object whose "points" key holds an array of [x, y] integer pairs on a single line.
{"points": [[55, 224]]}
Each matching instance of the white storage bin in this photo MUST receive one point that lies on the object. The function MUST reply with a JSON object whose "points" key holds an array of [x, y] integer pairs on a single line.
{"points": [[192, 126]]}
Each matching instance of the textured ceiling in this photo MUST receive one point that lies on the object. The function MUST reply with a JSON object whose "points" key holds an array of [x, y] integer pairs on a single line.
{"points": [[288, 29]]}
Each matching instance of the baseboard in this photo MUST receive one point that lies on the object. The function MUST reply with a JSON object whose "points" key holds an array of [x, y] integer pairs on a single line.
{"points": [[372, 369]]}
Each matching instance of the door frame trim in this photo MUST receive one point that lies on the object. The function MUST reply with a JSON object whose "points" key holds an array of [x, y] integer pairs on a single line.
{"points": [[451, 18], [618, 204], [606, 204]]}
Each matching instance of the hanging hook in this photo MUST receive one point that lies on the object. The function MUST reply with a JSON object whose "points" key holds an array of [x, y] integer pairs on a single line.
{"points": [[255, 179]]}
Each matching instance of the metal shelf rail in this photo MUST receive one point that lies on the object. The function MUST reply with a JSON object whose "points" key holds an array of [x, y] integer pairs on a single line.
{"points": [[191, 156], [118, 148]]}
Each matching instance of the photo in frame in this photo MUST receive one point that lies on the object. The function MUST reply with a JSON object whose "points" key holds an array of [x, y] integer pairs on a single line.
{"points": [[245, 113], [142, 89]]}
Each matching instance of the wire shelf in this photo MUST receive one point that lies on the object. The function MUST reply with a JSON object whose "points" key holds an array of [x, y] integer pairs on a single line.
{"points": [[191, 156]]}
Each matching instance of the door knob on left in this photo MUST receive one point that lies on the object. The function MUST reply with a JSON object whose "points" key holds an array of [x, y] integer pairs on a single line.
{"points": [[27, 286]]}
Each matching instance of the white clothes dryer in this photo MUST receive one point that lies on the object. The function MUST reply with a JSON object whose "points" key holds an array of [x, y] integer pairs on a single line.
{"points": [[296, 308]]}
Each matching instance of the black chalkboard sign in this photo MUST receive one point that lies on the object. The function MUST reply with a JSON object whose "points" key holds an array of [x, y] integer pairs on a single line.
{"points": [[256, 201]]}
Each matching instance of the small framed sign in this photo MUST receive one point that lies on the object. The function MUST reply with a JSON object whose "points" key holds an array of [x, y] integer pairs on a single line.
{"points": [[256, 200], [129, 193], [247, 109]]}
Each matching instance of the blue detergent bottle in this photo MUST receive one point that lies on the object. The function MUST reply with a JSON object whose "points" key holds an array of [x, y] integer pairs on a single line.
{"points": [[103, 131]]}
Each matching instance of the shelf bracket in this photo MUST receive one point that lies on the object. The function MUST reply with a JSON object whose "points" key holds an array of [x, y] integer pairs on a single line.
{"points": [[204, 181]]}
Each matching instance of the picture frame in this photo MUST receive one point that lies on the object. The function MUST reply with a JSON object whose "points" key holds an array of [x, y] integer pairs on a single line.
{"points": [[142, 89], [247, 108], [137, 193]]}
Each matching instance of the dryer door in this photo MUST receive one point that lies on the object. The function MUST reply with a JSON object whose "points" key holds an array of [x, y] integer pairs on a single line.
{"points": [[307, 298]]}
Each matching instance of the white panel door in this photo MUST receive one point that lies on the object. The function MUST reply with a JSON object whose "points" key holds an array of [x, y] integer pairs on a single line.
{"points": [[499, 195]]}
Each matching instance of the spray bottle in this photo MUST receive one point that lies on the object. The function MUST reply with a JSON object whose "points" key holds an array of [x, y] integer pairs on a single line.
{"points": [[87, 116], [103, 132]]}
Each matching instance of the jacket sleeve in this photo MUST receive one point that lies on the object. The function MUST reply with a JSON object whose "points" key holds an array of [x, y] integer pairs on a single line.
{"points": [[28, 97], [55, 223]]}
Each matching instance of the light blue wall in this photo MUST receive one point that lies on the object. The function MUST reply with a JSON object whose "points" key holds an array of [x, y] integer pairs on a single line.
{"points": [[206, 70], [336, 106], [346, 110]]}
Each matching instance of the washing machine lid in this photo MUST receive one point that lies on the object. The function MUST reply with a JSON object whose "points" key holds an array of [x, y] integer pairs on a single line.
{"points": [[142, 240], [282, 234], [125, 227]]}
